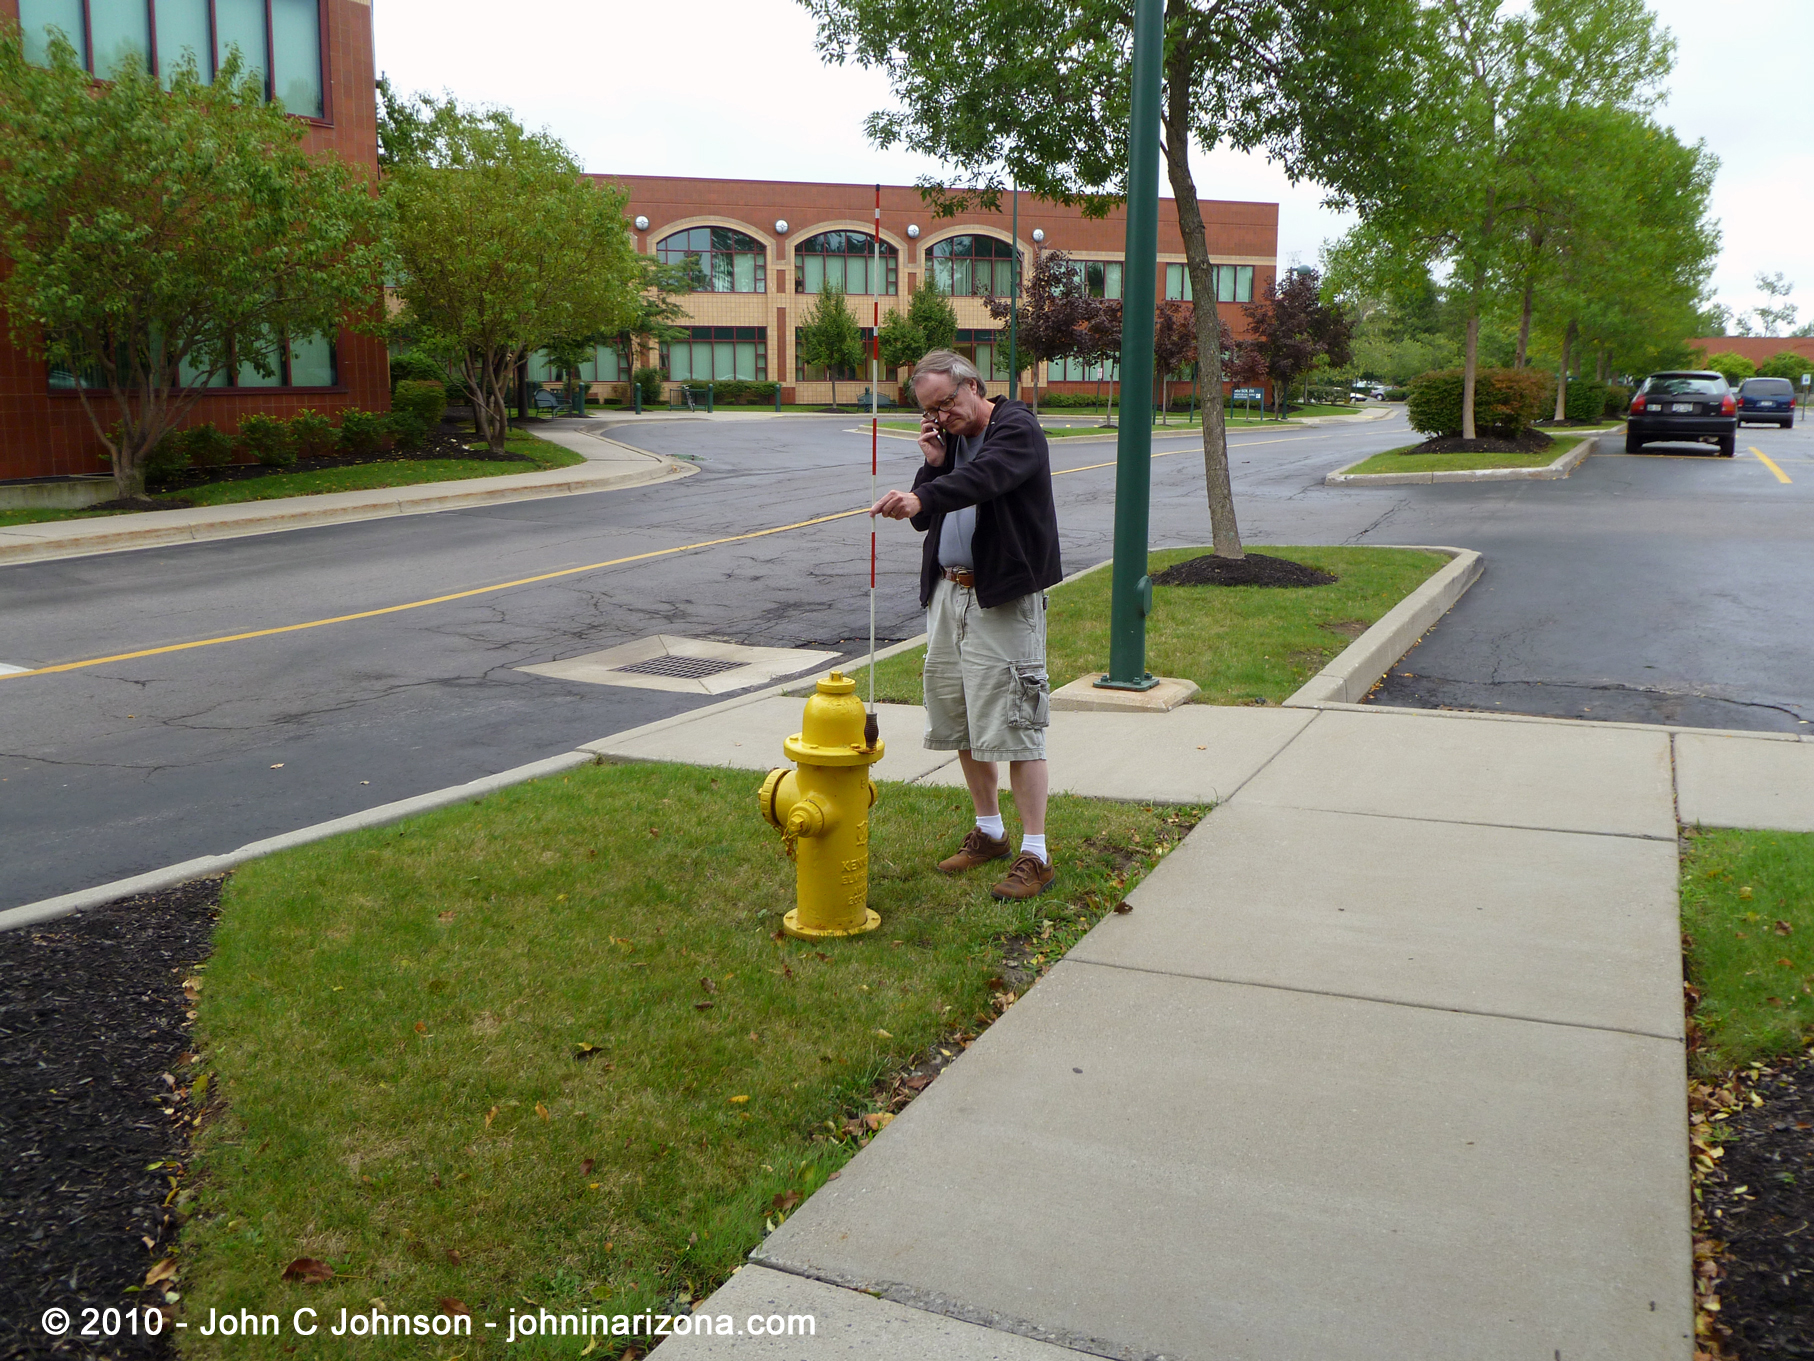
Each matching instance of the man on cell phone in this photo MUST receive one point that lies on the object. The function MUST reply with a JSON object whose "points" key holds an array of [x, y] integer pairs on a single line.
{"points": [[983, 499]]}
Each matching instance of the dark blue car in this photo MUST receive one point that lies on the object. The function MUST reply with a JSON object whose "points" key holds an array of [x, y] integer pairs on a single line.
{"points": [[1769, 400]]}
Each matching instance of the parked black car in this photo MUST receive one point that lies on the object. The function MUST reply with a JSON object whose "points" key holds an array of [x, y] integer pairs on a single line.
{"points": [[1767, 399], [1689, 405]]}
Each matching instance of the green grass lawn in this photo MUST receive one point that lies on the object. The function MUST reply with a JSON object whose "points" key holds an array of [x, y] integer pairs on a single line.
{"points": [[1402, 460], [546, 1050], [1240, 644], [1748, 924]]}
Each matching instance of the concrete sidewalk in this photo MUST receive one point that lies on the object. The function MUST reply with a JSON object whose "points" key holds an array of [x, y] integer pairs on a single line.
{"points": [[608, 465], [1386, 1062]]}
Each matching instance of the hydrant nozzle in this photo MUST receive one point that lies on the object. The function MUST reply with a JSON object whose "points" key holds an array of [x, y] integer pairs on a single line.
{"points": [[822, 809]]}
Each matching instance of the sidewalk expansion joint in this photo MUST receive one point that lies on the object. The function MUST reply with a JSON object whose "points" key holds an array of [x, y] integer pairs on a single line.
{"points": [[931, 1302], [1380, 1001], [1668, 836]]}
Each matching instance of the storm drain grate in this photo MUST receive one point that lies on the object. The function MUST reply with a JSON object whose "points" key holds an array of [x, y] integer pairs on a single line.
{"points": [[682, 668]]}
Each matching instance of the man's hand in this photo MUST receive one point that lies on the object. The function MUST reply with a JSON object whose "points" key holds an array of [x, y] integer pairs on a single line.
{"points": [[897, 505], [932, 442]]}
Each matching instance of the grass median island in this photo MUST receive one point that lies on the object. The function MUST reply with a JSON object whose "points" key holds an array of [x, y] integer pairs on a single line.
{"points": [[1240, 644], [546, 1051], [1402, 460], [1748, 925]]}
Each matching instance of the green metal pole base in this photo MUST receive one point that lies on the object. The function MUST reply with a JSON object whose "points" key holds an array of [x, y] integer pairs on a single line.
{"points": [[1146, 682]]}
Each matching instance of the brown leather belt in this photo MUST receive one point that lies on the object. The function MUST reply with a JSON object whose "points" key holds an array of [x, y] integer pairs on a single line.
{"points": [[961, 576]]}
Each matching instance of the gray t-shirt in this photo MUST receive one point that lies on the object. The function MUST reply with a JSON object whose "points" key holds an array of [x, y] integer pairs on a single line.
{"points": [[959, 527]]}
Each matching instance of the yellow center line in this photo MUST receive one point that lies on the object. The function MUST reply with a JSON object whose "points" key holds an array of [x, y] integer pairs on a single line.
{"points": [[500, 586], [1769, 463]]}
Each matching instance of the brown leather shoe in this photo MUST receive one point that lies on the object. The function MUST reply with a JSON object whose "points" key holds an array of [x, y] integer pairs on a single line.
{"points": [[1029, 877], [979, 848]]}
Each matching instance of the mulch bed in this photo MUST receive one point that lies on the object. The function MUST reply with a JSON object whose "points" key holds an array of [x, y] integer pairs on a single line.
{"points": [[93, 1126], [1256, 569], [1531, 441], [1760, 1203], [442, 443]]}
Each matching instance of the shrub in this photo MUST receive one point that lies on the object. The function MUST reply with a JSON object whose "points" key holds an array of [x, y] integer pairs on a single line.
{"points": [[270, 441], [743, 392], [423, 397], [170, 454], [1506, 401], [1734, 367], [1397, 394], [1786, 364], [649, 380], [313, 433], [406, 429], [360, 432], [1062, 400], [1586, 400], [209, 446], [407, 368], [1618, 401]]}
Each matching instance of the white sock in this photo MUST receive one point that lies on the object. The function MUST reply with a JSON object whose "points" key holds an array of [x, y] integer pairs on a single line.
{"points": [[1035, 845], [992, 825]]}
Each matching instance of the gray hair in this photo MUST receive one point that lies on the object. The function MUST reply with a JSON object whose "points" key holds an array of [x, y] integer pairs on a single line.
{"points": [[959, 369]]}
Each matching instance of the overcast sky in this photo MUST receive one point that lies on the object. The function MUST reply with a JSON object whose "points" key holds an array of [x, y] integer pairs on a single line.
{"points": [[727, 88]]}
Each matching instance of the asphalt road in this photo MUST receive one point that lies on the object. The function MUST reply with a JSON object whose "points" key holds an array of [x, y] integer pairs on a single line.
{"points": [[1652, 588]]}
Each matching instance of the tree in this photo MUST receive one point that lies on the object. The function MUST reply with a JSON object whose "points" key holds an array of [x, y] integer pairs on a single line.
{"points": [[1099, 345], [1050, 322], [1778, 318], [829, 336], [504, 247], [931, 311], [1469, 170], [1292, 327], [657, 309], [1174, 347], [1734, 367], [158, 238], [1786, 364], [1044, 103]]}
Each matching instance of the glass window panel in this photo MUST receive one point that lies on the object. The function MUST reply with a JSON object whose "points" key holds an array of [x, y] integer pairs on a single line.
{"points": [[724, 359], [941, 276], [1112, 288], [249, 376], [182, 29], [960, 277], [241, 24], [680, 361], [312, 362], [812, 274], [1004, 278], [121, 30], [38, 16], [539, 370], [835, 272], [1225, 283], [746, 359], [1092, 274], [296, 55], [744, 275], [1244, 284]]}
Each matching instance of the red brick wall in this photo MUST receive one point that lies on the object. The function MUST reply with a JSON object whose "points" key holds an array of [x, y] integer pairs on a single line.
{"points": [[1756, 348], [45, 433]]}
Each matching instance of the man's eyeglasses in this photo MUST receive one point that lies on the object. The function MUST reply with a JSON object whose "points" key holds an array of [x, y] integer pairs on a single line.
{"points": [[941, 408]]}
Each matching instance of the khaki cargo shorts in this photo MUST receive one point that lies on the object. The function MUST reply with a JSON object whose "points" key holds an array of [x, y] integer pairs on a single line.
{"points": [[985, 676]]}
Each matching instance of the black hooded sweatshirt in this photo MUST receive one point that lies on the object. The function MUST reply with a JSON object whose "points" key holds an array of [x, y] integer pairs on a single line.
{"points": [[1009, 481]]}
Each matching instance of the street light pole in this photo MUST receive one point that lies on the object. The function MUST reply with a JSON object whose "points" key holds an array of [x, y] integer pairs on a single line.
{"points": [[1132, 592]]}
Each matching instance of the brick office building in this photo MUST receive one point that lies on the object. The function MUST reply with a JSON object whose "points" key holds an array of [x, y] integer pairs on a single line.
{"points": [[317, 56], [766, 246]]}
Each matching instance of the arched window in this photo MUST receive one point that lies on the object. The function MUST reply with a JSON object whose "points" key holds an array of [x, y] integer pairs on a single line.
{"points": [[733, 261], [843, 259], [973, 266]]}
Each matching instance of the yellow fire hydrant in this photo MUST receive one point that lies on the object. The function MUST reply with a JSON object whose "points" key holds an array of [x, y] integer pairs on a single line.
{"points": [[822, 810]]}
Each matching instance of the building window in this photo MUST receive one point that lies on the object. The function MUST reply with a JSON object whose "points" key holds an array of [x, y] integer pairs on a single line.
{"points": [[605, 366], [1100, 278], [731, 261], [718, 354], [1234, 283], [278, 40], [306, 363], [1078, 371], [986, 349], [817, 373], [973, 267], [846, 260]]}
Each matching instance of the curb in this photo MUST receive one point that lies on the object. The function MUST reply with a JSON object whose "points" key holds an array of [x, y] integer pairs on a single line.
{"points": [[1562, 467], [16, 545], [1360, 665], [204, 866]]}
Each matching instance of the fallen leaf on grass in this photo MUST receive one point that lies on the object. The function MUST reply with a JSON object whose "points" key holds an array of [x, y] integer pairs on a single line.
{"points": [[1783, 928], [585, 1168], [918, 1082], [452, 1306], [739, 1100], [878, 1120], [778, 935], [490, 1115], [883, 1035], [654, 831], [453, 1256], [444, 916], [583, 1050], [421, 1027], [1124, 906], [703, 1006], [308, 1270], [541, 1110], [163, 1271], [785, 1201], [708, 985]]}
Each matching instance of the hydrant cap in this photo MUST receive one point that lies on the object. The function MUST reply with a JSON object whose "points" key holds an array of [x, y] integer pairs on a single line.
{"points": [[837, 683]]}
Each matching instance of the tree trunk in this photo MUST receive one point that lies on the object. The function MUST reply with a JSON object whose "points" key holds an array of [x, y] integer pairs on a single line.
{"points": [[1225, 533], [1470, 364], [1568, 340], [1524, 330]]}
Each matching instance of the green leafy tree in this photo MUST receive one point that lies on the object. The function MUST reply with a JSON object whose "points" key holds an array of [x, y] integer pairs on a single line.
{"points": [[503, 247], [829, 336], [157, 237], [1786, 364], [1469, 169], [1051, 319], [1734, 367], [931, 311], [1043, 102], [657, 313], [1778, 316], [902, 343]]}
